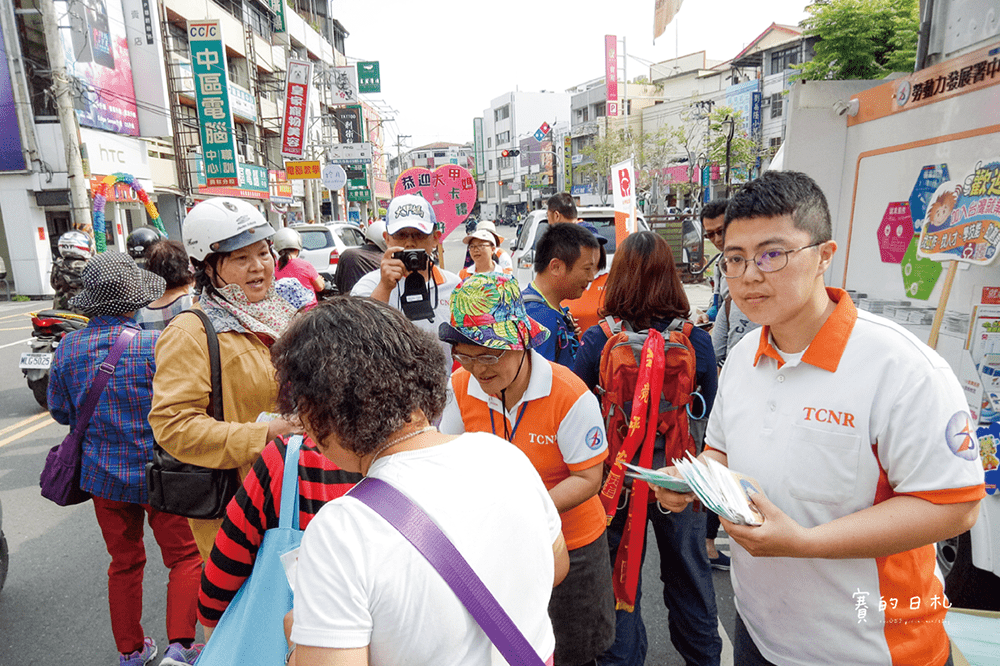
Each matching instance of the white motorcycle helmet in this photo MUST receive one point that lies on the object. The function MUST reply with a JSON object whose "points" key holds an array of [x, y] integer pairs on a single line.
{"points": [[223, 224], [75, 244], [286, 239], [374, 233]]}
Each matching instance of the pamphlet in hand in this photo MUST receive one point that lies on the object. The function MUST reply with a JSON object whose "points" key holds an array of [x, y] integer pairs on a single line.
{"points": [[720, 489], [653, 477]]}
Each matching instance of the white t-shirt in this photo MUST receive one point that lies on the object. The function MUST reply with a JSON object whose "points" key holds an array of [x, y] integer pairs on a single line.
{"points": [[361, 583], [866, 413]]}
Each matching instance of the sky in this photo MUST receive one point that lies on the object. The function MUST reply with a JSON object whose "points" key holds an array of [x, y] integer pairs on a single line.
{"points": [[443, 61]]}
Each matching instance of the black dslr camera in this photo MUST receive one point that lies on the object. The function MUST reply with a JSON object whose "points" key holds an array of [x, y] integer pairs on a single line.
{"points": [[416, 301], [413, 260]]}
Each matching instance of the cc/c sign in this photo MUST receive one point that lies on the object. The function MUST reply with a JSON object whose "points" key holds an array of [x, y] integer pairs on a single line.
{"points": [[203, 30]]}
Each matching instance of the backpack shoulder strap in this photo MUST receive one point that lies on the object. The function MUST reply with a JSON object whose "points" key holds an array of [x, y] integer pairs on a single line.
{"points": [[728, 306], [214, 362], [532, 298]]}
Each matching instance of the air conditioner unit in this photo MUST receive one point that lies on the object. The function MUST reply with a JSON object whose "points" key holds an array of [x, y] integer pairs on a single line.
{"points": [[766, 101]]}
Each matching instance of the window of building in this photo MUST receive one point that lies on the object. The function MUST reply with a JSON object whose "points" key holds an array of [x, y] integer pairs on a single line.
{"points": [[773, 144], [503, 137], [439, 153], [784, 59], [490, 167], [777, 101], [586, 114], [599, 110], [502, 113]]}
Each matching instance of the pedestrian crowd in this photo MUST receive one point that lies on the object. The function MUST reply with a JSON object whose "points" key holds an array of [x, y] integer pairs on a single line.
{"points": [[437, 422]]}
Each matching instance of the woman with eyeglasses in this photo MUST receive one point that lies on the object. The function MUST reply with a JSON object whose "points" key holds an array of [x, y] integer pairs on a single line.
{"points": [[485, 253], [507, 389], [644, 290]]}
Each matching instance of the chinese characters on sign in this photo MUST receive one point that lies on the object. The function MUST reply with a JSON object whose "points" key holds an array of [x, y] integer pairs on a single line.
{"points": [[345, 85], [611, 71], [218, 140], [450, 189], [348, 122], [294, 126], [302, 170], [963, 218]]}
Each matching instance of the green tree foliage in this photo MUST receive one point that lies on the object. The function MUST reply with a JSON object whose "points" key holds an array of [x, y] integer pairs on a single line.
{"points": [[862, 39]]}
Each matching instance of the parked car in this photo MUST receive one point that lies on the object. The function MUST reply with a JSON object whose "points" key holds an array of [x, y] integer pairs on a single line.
{"points": [[535, 224], [4, 553], [322, 245]]}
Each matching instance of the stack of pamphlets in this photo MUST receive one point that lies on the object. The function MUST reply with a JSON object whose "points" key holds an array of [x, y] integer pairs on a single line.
{"points": [[720, 489]]}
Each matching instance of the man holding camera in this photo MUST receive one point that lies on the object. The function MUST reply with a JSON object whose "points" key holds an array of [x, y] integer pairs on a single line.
{"points": [[407, 278]]}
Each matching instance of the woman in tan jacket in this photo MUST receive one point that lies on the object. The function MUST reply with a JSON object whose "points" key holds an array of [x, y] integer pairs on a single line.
{"points": [[234, 268]]}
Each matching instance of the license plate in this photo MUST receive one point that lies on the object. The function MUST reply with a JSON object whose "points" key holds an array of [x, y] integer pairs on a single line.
{"points": [[32, 361]]}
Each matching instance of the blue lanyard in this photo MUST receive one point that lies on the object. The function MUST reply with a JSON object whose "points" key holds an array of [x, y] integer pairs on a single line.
{"points": [[513, 432]]}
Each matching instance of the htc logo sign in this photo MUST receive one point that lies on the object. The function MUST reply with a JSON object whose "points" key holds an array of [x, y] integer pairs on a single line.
{"points": [[111, 155]]}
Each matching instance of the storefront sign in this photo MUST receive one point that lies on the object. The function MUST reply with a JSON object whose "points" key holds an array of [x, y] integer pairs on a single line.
{"points": [[97, 54], [215, 118], [348, 122], [369, 79], [253, 183], [11, 154], [334, 177], [294, 123], [611, 69], [567, 163], [350, 153], [280, 188], [145, 48], [359, 194], [280, 25], [302, 170], [345, 85]]}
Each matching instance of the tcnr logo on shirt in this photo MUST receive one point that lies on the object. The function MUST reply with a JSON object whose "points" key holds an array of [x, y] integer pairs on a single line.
{"points": [[829, 416], [541, 439]]}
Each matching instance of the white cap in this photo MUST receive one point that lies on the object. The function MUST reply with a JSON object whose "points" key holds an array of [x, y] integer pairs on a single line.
{"points": [[481, 234], [409, 210]]}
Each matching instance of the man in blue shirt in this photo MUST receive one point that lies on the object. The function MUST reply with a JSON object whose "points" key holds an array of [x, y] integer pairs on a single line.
{"points": [[566, 260]]}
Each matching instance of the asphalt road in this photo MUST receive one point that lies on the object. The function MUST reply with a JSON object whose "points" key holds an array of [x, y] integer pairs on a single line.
{"points": [[53, 608]]}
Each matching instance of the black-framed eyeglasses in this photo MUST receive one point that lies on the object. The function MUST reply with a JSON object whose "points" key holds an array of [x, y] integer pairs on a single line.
{"points": [[712, 233], [476, 247], [768, 261], [482, 359]]}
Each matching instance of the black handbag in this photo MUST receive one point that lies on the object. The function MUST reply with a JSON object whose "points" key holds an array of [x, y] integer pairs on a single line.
{"points": [[189, 490]]}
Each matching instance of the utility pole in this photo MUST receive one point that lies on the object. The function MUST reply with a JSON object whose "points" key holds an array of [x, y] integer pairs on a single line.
{"points": [[399, 150], [62, 91]]}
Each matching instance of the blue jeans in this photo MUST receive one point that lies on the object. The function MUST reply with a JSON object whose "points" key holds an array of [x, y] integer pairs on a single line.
{"points": [[688, 592]]}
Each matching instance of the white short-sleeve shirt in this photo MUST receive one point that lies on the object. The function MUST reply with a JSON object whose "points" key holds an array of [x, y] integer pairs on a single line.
{"points": [[360, 582], [868, 412]]}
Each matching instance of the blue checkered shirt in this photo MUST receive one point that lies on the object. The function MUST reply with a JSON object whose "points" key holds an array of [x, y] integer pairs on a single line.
{"points": [[118, 442]]}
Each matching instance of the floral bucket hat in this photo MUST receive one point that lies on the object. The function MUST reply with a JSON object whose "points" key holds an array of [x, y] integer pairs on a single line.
{"points": [[487, 310]]}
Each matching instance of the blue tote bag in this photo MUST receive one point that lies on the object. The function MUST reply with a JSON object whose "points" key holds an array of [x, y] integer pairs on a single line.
{"points": [[251, 631]]}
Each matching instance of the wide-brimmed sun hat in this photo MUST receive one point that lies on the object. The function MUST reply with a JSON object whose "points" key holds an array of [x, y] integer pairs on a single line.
{"points": [[487, 310], [481, 234], [487, 225], [114, 285]]}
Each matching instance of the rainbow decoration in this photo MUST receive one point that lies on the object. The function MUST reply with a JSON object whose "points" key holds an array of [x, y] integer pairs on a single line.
{"points": [[101, 198]]}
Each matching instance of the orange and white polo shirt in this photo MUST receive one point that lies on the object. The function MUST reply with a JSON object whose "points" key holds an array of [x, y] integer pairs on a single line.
{"points": [[557, 424], [866, 413]]}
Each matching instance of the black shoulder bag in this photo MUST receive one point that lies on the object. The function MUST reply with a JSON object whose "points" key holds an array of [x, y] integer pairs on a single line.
{"points": [[190, 490]]}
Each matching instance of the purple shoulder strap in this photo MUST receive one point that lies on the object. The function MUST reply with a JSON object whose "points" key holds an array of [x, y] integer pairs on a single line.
{"points": [[104, 372], [400, 512]]}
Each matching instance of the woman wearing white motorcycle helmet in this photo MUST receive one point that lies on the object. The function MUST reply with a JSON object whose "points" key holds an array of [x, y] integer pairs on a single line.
{"points": [[288, 243], [227, 240]]}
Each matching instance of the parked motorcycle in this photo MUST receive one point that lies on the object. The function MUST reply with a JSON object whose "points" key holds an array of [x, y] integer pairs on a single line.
{"points": [[48, 328]]}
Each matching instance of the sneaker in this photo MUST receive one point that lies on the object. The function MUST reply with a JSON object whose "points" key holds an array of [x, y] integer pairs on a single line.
{"points": [[178, 655], [140, 657], [721, 562]]}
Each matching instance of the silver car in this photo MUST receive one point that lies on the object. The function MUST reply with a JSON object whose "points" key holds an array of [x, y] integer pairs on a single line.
{"points": [[322, 245]]}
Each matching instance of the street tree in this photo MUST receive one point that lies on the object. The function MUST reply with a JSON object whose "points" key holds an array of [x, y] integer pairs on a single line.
{"points": [[861, 39], [602, 153]]}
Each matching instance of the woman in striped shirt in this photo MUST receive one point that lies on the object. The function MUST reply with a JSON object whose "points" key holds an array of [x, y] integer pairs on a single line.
{"points": [[254, 511]]}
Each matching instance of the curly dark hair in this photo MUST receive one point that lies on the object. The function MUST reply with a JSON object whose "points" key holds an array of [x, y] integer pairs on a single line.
{"points": [[357, 369], [169, 260]]}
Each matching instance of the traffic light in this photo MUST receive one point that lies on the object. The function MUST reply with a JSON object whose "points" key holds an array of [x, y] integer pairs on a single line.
{"points": [[513, 152]]}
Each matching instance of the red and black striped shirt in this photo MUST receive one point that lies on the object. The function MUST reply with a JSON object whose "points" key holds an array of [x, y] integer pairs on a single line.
{"points": [[255, 510]]}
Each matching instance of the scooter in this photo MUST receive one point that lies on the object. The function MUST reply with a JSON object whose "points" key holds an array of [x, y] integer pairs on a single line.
{"points": [[48, 328]]}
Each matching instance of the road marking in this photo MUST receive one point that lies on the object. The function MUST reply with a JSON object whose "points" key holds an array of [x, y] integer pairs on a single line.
{"points": [[23, 422], [19, 328], [19, 342], [23, 433], [19, 314]]}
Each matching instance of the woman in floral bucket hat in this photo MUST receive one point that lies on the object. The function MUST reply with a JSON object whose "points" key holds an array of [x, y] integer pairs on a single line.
{"points": [[507, 389]]}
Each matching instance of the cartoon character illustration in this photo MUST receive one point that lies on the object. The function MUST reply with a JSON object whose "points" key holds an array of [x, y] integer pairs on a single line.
{"points": [[940, 209]]}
